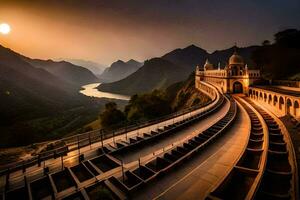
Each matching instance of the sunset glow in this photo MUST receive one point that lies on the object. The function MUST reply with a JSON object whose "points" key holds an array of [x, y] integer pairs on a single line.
{"points": [[105, 31], [4, 29]]}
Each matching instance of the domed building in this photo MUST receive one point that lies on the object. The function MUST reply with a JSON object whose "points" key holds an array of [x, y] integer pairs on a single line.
{"points": [[236, 59], [234, 78]]}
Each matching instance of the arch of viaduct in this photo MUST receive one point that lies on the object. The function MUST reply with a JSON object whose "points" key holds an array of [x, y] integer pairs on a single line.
{"points": [[281, 104]]}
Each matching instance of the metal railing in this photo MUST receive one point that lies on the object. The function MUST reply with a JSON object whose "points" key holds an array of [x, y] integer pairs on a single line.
{"points": [[79, 141]]}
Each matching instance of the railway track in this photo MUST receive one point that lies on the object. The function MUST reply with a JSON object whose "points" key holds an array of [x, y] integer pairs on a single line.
{"points": [[264, 171], [243, 180], [135, 179], [277, 181], [144, 139]]}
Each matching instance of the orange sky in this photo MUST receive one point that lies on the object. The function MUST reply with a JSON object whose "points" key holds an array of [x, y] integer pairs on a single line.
{"points": [[111, 30]]}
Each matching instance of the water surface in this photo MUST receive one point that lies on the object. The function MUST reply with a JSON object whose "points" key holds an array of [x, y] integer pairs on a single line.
{"points": [[92, 91]]}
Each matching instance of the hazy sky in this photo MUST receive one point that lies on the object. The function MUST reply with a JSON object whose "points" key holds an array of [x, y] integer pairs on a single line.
{"points": [[107, 30]]}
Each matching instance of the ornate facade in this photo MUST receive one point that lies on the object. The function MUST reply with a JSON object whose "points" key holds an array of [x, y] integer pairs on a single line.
{"points": [[234, 78]]}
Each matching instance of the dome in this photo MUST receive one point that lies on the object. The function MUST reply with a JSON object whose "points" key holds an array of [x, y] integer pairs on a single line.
{"points": [[208, 65], [236, 59]]}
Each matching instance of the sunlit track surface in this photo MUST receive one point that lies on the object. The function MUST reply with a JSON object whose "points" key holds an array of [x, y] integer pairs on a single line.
{"points": [[244, 178], [277, 182], [134, 180], [135, 147], [145, 139]]}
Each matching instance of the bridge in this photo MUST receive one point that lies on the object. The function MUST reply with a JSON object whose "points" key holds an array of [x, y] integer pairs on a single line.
{"points": [[234, 147]]}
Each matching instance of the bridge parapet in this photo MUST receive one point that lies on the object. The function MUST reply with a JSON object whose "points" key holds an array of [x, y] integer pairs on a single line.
{"points": [[276, 100], [207, 89]]}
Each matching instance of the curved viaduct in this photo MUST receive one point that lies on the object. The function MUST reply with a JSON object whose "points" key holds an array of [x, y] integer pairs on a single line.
{"points": [[231, 148]]}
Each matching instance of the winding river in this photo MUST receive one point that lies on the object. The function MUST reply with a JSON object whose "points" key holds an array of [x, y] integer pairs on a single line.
{"points": [[92, 91]]}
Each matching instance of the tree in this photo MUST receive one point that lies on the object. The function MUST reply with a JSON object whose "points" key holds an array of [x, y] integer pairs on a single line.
{"points": [[266, 43], [281, 59], [288, 38], [111, 115], [147, 106]]}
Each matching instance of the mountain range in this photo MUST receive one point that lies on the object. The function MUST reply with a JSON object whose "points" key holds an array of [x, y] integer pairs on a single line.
{"points": [[155, 73], [30, 89], [175, 66], [66, 71], [119, 70], [94, 67]]}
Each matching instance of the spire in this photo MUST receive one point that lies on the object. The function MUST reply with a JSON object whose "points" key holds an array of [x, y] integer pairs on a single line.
{"points": [[219, 66], [208, 65], [235, 49], [207, 62]]}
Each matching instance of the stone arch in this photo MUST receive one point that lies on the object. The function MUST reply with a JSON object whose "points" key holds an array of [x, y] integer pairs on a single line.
{"points": [[260, 95], [265, 97], [250, 93], [281, 102], [270, 99], [296, 109], [275, 100], [237, 87], [288, 106]]}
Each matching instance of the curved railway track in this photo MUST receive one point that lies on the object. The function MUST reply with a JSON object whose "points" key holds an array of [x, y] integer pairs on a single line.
{"points": [[243, 180], [167, 131], [134, 179], [277, 181], [264, 171]]}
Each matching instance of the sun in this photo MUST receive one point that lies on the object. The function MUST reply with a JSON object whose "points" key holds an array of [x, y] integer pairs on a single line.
{"points": [[4, 29]]}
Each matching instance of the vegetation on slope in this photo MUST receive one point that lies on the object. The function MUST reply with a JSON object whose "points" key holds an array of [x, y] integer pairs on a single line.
{"points": [[148, 106], [156, 104], [111, 115], [184, 94]]}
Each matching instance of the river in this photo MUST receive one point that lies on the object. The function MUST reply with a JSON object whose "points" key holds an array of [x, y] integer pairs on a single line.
{"points": [[92, 91]]}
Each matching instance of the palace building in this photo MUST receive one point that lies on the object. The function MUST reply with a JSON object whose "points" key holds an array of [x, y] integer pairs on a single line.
{"points": [[234, 78]]}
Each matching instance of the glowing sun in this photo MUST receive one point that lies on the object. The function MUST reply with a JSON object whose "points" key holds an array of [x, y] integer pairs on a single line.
{"points": [[4, 29]]}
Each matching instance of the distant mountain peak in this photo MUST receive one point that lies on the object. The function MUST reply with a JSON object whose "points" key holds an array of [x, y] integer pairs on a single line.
{"points": [[119, 62], [119, 70], [95, 67], [134, 62], [192, 46]]}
